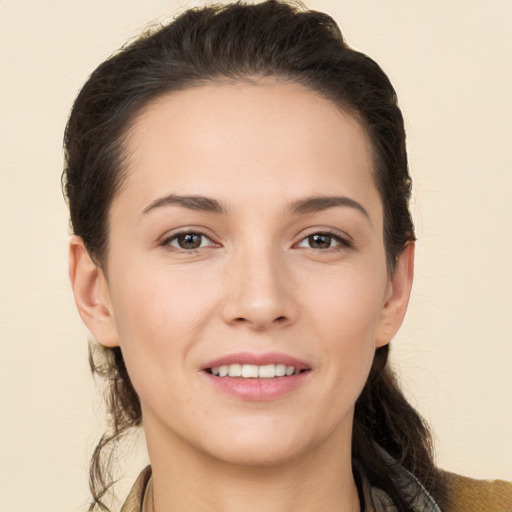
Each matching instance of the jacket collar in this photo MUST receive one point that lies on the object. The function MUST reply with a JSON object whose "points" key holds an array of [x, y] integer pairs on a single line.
{"points": [[373, 499]]}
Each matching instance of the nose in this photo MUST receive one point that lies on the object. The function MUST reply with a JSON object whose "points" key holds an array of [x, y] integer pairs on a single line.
{"points": [[259, 291]]}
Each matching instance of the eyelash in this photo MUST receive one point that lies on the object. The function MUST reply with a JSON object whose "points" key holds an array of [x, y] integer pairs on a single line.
{"points": [[341, 240], [167, 241]]}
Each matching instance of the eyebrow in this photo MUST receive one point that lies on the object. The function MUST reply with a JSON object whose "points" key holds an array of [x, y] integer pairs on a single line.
{"points": [[319, 203], [303, 206], [199, 203]]}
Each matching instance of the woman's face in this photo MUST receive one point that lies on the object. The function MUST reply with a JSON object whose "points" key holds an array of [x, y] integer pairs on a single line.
{"points": [[248, 236]]}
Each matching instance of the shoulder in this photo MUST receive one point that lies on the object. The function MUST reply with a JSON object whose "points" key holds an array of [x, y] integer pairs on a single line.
{"points": [[470, 495], [135, 500]]}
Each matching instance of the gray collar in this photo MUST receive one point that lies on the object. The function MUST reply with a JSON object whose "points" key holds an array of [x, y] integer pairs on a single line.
{"points": [[377, 500]]}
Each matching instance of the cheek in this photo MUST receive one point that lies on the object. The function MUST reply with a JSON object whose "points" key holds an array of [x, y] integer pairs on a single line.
{"points": [[345, 318], [159, 313], [348, 303]]}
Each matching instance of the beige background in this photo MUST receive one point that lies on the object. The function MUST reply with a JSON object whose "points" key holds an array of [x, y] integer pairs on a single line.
{"points": [[450, 62]]}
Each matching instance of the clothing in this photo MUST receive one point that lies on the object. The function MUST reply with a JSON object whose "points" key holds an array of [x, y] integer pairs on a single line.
{"points": [[465, 495], [469, 495]]}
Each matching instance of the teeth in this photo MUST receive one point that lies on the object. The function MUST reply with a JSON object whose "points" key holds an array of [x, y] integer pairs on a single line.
{"points": [[235, 370], [267, 372], [252, 371], [281, 370]]}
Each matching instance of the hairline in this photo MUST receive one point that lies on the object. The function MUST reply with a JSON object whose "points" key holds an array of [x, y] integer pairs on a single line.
{"points": [[124, 140]]}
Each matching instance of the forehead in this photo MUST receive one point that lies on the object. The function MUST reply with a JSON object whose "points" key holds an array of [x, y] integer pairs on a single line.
{"points": [[265, 140]]}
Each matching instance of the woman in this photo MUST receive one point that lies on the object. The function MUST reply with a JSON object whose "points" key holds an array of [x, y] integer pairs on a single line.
{"points": [[243, 254]]}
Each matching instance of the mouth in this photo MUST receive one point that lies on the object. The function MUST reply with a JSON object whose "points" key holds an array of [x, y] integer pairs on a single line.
{"points": [[257, 377], [253, 371]]}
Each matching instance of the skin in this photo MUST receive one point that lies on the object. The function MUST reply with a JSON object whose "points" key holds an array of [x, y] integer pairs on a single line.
{"points": [[256, 284]]}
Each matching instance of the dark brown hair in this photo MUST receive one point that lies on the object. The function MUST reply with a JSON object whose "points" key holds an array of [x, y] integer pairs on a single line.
{"points": [[239, 42]]}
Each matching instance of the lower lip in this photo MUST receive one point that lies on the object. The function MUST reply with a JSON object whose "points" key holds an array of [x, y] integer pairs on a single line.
{"points": [[257, 390]]}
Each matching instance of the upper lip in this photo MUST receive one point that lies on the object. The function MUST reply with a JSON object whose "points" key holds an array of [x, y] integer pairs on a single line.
{"points": [[257, 359]]}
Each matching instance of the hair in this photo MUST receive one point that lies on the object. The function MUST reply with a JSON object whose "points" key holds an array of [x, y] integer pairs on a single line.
{"points": [[239, 42]]}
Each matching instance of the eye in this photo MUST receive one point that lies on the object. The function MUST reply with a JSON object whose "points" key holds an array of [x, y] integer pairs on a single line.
{"points": [[323, 241], [188, 241]]}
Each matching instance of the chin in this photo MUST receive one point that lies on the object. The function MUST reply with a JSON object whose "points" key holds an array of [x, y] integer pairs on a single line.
{"points": [[258, 456], [259, 446]]}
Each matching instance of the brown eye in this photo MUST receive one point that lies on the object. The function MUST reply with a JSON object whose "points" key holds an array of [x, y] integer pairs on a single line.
{"points": [[189, 241], [320, 241]]}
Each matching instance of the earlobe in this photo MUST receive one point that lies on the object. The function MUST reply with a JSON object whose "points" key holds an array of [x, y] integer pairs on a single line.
{"points": [[394, 309], [91, 292]]}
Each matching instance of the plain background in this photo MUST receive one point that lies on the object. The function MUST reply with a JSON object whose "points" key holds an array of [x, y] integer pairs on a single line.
{"points": [[450, 63]]}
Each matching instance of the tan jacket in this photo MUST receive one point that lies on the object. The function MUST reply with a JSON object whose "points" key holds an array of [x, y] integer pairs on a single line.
{"points": [[465, 494], [469, 495]]}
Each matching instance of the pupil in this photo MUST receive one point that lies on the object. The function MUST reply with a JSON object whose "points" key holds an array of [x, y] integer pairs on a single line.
{"points": [[320, 241], [189, 241]]}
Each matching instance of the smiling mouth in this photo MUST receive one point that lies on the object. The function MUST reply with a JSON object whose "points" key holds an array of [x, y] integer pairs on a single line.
{"points": [[252, 371]]}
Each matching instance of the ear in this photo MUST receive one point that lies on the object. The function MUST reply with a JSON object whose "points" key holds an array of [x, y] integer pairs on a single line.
{"points": [[91, 292], [397, 298]]}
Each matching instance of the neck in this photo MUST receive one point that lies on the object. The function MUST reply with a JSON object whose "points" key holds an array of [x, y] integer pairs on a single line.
{"points": [[316, 481]]}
